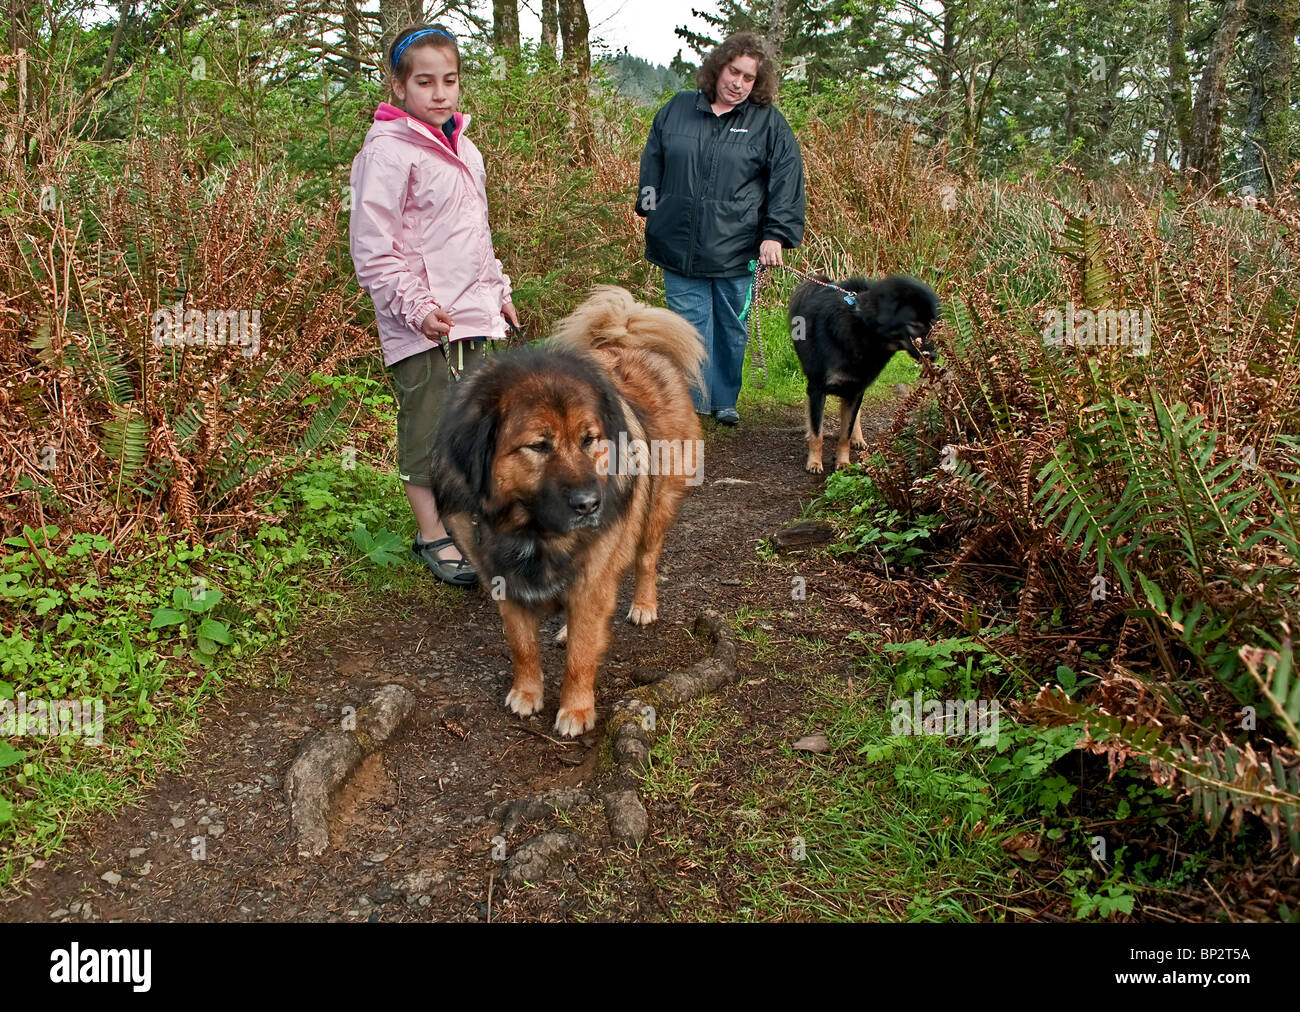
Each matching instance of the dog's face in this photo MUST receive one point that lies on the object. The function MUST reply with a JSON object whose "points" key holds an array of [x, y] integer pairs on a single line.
{"points": [[545, 458], [902, 310], [523, 445]]}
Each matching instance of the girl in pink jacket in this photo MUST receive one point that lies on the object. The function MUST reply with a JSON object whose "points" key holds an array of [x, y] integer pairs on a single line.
{"points": [[422, 248]]}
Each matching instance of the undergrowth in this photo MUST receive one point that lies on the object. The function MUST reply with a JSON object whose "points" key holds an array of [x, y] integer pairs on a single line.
{"points": [[152, 627]]}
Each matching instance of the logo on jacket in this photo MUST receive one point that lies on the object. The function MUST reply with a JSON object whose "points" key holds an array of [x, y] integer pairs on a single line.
{"points": [[740, 130]]}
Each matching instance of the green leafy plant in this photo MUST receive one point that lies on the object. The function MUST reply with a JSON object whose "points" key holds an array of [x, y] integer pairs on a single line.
{"points": [[888, 535], [190, 611], [1024, 766], [959, 663], [1112, 896], [383, 548]]}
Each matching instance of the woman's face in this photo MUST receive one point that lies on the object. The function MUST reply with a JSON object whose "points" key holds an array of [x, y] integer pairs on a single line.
{"points": [[736, 80], [432, 92]]}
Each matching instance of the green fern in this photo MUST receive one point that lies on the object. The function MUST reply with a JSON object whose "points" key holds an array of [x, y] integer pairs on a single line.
{"points": [[187, 423], [248, 467], [962, 320], [1278, 684], [1179, 511], [104, 369], [28, 395], [288, 388], [155, 479], [126, 442], [323, 423]]}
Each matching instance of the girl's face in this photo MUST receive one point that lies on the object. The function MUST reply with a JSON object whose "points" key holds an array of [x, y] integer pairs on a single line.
{"points": [[736, 80], [432, 92]]}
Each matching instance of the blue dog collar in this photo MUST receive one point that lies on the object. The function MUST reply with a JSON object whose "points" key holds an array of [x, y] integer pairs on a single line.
{"points": [[397, 53]]}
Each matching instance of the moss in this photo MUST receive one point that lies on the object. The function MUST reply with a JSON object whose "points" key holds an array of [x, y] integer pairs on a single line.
{"points": [[364, 740], [648, 696]]}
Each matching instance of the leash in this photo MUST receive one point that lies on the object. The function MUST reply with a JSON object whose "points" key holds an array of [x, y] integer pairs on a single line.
{"points": [[452, 371], [518, 334], [455, 371], [759, 272]]}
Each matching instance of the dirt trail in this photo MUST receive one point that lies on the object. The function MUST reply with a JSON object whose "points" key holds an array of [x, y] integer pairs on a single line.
{"points": [[411, 839]]}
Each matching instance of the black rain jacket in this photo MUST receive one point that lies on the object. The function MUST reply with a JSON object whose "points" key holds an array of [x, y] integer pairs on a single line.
{"points": [[713, 187]]}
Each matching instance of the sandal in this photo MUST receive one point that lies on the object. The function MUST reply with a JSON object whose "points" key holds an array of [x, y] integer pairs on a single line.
{"points": [[457, 572]]}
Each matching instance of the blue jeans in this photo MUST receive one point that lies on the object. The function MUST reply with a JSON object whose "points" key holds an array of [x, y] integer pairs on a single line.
{"points": [[716, 308]]}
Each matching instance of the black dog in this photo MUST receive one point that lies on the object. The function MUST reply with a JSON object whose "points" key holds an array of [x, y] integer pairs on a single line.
{"points": [[844, 340]]}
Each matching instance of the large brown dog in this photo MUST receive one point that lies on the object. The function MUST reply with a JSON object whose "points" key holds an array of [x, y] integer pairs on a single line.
{"points": [[555, 468]]}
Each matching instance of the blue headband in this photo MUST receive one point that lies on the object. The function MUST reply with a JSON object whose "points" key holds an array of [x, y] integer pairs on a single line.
{"points": [[397, 53]]}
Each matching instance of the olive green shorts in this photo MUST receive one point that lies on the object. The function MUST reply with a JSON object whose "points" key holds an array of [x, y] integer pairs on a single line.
{"points": [[421, 382]]}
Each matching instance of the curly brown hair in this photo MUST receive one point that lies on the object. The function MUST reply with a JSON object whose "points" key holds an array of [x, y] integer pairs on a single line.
{"points": [[766, 81]]}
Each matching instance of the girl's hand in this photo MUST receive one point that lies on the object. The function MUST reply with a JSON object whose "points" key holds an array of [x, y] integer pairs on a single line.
{"points": [[437, 324], [510, 313], [769, 253]]}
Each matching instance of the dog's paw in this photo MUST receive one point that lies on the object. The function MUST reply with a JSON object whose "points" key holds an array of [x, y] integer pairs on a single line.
{"points": [[562, 637], [642, 614], [813, 467], [858, 442], [524, 702], [573, 721]]}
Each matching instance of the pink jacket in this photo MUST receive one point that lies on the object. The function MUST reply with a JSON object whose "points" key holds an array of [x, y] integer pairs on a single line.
{"points": [[419, 234]]}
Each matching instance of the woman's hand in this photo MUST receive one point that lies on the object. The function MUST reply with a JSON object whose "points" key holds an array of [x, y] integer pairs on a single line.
{"points": [[769, 253], [437, 324], [510, 313]]}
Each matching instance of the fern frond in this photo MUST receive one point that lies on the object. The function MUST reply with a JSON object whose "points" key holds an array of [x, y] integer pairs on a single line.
{"points": [[323, 423], [1227, 780], [126, 441], [1277, 683]]}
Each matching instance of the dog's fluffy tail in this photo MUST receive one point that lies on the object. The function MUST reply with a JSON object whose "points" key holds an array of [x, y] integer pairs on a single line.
{"points": [[612, 320]]}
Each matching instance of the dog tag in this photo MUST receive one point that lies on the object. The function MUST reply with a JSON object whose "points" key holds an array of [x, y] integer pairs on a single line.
{"points": [[850, 300]]}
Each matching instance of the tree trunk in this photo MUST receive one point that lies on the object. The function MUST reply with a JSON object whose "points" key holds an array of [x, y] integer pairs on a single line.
{"points": [[123, 12], [976, 106], [351, 38], [777, 31], [1110, 81], [573, 29], [1070, 111], [943, 72], [1160, 151], [1180, 79], [969, 125], [19, 17], [577, 56], [505, 24], [1205, 154], [13, 141], [1279, 21], [1256, 60], [395, 15], [550, 26]]}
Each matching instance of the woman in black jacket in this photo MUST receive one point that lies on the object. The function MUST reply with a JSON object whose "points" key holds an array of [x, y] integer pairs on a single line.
{"points": [[721, 185]]}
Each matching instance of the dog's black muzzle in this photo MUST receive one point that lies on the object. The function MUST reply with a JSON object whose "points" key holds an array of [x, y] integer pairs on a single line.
{"points": [[585, 506], [562, 508]]}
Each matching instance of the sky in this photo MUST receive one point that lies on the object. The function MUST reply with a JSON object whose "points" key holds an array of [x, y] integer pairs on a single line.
{"points": [[644, 26]]}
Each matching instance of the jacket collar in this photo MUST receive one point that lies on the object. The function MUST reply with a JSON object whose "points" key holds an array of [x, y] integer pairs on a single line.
{"points": [[387, 112], [702, 104]]}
